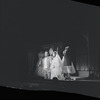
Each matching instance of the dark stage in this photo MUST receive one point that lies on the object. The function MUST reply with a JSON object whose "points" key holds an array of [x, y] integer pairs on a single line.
{"points": [[84, 87]]}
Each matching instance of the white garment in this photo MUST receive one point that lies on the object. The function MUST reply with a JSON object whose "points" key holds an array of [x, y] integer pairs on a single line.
{"points": [[60, 64], [50, 60], [45, 63], [55, 67], [62, 61]]}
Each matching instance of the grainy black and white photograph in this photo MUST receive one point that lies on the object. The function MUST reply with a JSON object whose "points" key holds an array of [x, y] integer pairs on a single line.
{"points": [[50, 45]]}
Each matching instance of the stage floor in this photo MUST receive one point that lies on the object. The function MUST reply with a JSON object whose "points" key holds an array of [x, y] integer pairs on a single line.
{"points": [[84, 87]]}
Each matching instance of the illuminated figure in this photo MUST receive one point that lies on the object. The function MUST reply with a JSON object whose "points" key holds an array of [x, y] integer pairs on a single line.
{"points": [[46, 65], [55, 65], [67, 67], [40, 65]]}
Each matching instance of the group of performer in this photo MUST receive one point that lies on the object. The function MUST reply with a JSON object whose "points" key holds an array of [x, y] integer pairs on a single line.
{"points": [[51, 65]]}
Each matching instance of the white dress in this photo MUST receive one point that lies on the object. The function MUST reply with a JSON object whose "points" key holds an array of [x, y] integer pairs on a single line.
{"points": [[59, 65], [55, 67]]}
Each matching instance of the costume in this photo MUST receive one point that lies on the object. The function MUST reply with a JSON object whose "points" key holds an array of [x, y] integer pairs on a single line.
{"points": [[40, 71], [65, 67], [55, 67], [45, 67]]}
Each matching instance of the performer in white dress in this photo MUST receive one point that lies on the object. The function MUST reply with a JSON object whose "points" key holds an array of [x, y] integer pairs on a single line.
{"points": [[59, 64], [52, 67], [55, 66], [50, 61]]}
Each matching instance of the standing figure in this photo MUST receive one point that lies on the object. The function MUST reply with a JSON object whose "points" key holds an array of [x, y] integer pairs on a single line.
{"points": [[65, 64], [59, 63], [55, 66], [50, 61], [39, 65], [45, 65]]}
